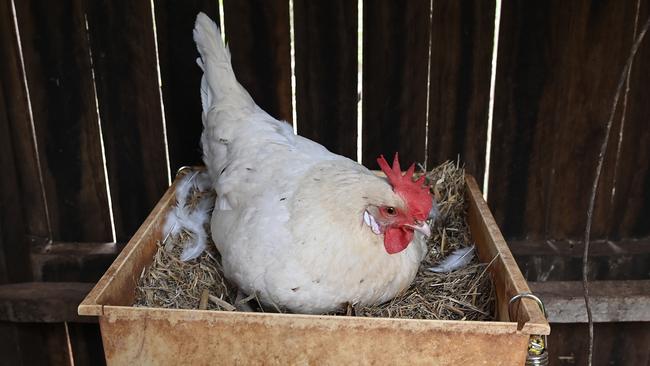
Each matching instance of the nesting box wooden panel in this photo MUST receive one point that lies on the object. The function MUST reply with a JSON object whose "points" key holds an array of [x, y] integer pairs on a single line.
{"points": [[171, 336]]}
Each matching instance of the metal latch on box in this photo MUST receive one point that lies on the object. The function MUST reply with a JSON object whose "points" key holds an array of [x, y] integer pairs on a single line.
{"points": [[537, 344]]}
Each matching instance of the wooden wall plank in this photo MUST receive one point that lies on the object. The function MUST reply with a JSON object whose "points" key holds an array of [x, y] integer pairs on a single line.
{"points": [[558, 66], [629, 210], [610, 301], [548, 260], [614, 344], [42, 302], [20, 130], [326, 73], [181, 77], [44, 344], [462, 35], [57, 64], [395, 53], [9, 346], [122, 42], [257, 32], [71, 262], [86, 343], [14, 253], [34, 344]]}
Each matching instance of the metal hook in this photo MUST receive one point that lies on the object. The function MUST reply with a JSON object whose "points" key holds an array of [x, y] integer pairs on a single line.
{"points": [[526, 295], [537, 345], [182, 170]]}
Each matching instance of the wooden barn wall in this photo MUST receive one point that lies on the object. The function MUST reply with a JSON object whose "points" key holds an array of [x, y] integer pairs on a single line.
{"points": [[258, 35], [327, 72], [82, 88], [395, 80], [558, 66], [462, 34]]}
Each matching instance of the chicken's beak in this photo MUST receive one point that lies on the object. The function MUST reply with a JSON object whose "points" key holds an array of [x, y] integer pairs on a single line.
{"points": [[422, 227]]}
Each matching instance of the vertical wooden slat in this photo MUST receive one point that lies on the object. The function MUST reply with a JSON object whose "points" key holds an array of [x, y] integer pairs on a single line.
{"points": [[395, 47], [43, 344], [9, 346], [558, 66], [629, 213], [614, 344], [86, 343], [326, 73], [257, 32], [17, 114], [27, 344], [57, 65], [14, 253], [122, 42], [461, 53], [181, 77]]}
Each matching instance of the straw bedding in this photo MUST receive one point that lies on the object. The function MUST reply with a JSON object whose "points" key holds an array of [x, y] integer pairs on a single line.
{"points": [[463, 294]]}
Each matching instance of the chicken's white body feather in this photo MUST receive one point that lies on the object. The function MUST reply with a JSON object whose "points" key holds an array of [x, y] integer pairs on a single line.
{"points": [[288, 220]]}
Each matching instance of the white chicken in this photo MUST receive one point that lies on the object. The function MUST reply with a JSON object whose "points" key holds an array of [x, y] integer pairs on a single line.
{"points": [[304, 229]]}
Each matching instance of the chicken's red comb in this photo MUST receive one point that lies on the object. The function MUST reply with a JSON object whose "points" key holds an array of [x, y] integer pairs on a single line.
{"points": [[418, 196], [394, 174]]}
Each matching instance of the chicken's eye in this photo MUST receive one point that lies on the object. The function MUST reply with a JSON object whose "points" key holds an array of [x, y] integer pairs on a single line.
{"points": [[391, 211]]}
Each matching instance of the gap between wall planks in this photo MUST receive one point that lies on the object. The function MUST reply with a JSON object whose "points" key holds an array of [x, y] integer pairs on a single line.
{"points": [[257, 33], [326, 73], [181, 77], [557, 69], [461, 52], [57, 65], [396, 48]]}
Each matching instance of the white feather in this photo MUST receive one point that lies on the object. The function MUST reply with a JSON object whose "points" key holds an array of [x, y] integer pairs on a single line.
{"points": [[180, 218], [454, 261]]}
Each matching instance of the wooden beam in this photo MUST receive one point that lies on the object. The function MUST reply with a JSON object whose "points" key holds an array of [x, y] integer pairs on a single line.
{"points": [[574, 248], [71, 262], [549, 260], [610, 301], [43, 302]]}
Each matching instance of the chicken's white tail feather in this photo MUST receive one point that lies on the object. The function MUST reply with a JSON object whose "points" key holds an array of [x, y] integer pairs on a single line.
{"points": [[219, 81]]}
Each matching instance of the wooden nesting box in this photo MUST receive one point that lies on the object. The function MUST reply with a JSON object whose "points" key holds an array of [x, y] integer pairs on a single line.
{"points": [[140, 336]]}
